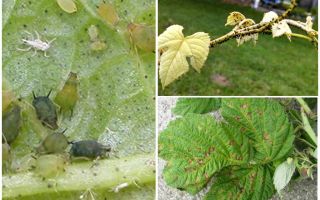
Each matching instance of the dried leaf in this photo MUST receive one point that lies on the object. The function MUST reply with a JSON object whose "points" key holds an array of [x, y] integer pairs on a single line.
{"points": [[269, 16]]}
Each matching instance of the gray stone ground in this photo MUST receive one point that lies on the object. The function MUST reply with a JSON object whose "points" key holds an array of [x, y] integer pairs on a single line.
{"points": [[303, 190]]}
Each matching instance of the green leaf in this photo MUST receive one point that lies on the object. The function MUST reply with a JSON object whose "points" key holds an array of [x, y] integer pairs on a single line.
{"points": [[283, 174], [116, 86], [237, 183], [240, 151], [196, 105], [196, 147], [264, 122]]}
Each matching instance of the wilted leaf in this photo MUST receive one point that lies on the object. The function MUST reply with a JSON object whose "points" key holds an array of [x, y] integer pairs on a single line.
{"points": [[281, 28], [245, 38], [234, 18], [283, 174], [196, 105], [177, 48], [269, 16]]}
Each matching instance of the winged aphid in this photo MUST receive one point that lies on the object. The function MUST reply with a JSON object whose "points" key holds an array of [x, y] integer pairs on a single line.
{"points": [[11, 123], [46, 110], [53, 143], [89, 149]]}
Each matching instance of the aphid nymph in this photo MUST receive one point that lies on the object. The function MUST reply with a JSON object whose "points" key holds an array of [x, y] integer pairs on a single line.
{"points": [[50, 165], [54, 143], [11, 123], [46, 110], [68, 96], [36, 44], [89, 149]]}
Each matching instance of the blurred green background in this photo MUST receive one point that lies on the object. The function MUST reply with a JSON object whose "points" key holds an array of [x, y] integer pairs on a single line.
{"points": [[275, 66]]}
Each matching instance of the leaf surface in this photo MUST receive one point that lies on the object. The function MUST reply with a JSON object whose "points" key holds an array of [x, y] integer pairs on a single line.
{"points": [[177, 48], [116, 86], [196, 105], [236, 183], [196, 146]]}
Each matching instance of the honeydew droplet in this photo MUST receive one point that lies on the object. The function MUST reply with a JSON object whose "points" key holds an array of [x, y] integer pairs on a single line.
{"points": [[67, 5]]}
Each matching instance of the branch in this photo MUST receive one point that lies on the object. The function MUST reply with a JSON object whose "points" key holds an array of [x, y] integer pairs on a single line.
{"points": [[256, 28], [107, 174]]}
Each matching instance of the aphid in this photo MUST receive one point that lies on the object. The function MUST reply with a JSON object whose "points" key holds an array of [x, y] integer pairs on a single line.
{"points": [[108, 13], [93, 33], [46, 110], [68, 96], [11, 123], [50, 165], [89, 149], [97, 44], [36, 44], [67, 5], [54, 143], [142, 36]]}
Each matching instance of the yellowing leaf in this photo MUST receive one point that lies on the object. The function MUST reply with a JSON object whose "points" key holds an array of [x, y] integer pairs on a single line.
{"points": [[67, 5], [108, 13], [234, 18], [269, 16], [243, 24], [281, 28], [176, 48]]}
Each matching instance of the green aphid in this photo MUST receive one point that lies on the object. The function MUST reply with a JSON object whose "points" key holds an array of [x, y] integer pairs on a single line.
{"points": [[46, 110], [11, 123], [53, 143], [68, 96], [51, 165], [89, 149]]}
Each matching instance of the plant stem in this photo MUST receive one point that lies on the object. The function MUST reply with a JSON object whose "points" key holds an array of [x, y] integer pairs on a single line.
{"points": [[107, 174], [307, 127], [305, 107]]}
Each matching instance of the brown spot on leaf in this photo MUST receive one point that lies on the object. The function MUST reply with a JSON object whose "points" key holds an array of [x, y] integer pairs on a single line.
{"points": [[232, 142], [244, 106]]}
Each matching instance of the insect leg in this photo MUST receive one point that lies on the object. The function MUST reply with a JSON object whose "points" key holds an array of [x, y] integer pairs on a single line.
{"points": [[49, 42], [27, 49], [45, 54], [34, 53]]}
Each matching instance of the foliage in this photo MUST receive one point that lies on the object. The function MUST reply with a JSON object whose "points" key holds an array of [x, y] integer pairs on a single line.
{"points": [[251, 32], [116, 87], [196, 105], [243, 151]]}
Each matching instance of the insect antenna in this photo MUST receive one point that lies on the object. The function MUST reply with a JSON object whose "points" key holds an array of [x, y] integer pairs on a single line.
{"points": [[34, 95], [49, 93]]}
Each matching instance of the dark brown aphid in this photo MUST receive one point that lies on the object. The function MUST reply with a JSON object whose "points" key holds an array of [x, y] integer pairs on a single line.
{"points": [[53, 143], [89, 149], [46, 110], [11, 123]]}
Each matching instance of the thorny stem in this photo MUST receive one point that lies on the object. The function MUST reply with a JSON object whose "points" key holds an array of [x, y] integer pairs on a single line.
{"points": [[80, 177], [264, 27]]}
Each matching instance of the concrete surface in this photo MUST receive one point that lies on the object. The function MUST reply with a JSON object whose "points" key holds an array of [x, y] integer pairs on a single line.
{"points": [[303, 190]]}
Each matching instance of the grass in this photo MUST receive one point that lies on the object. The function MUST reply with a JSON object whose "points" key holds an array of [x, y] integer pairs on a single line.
{"points": [[274, 67]]}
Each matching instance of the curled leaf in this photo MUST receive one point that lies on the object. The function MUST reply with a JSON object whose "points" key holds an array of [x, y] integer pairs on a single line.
{"points": [[176, 48], [245, 38], [281, 28], [269, 16], [234, 18]]}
